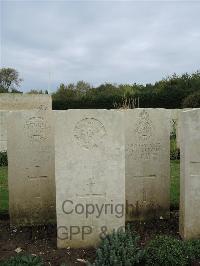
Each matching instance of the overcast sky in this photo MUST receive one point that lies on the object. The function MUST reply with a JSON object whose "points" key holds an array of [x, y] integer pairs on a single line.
{"points": [[53, 42]]}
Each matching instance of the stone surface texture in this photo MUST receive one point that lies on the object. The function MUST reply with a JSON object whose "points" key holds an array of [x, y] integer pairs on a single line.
{"points": [[18, 101], [190, 174], [31, 164], [147, 163], [90, 169]]}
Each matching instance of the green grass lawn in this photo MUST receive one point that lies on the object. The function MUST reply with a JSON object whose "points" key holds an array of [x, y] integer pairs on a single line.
{"points": [[3, 189], [175, 184], [174, 192]]}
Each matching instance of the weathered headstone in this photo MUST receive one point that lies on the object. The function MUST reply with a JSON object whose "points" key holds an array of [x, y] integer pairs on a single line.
{"points": [[178, 127], [190, 174], [31, 179], [90, 175], [3, 131], [18, 101], [147, 160]]}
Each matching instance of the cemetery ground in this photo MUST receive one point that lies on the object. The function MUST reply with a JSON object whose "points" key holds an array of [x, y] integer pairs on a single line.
{"points": [[41, 240]]}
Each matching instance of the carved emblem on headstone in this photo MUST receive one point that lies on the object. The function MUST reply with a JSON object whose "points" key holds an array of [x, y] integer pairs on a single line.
{"points": [[36, 128], [89, 132], [144, 126]]}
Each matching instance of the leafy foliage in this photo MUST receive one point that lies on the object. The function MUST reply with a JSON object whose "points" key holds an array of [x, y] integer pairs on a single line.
{"points": [[192, 101], [192, 250], [122, 249], [171, 92], [23, 260], [165, 251], [33, 91], [119, 249], [167, 93], [174, 150], [9, 80], [3, 159]]}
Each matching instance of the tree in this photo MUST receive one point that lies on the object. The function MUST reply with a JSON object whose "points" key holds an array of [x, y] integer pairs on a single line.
{"points": [[33, 91], [82, 86], [9, 80], [192, 101]]}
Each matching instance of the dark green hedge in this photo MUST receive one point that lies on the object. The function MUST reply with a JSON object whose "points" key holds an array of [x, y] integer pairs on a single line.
{"points": [[3, 159], [170, 93], [192, 101]]}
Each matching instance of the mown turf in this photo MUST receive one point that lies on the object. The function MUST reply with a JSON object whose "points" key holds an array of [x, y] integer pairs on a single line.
{"points": [[3, 189], [174, 193], [175, 184]]}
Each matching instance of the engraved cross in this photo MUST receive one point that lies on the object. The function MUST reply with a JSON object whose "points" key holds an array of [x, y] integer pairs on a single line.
{"points": [[91, 193], [90, 184]]}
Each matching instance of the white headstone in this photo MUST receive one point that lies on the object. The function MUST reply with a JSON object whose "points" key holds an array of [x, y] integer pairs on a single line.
{"points": [[178, 127], [31, 178], [3, 131], [18, 101], [90, 174], [147, 160], [190, 174]]}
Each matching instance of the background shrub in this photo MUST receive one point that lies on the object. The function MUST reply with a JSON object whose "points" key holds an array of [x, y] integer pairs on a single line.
{"points": [[165, 251], [174, 150], [23, 260], [3, 159], [169, 92], [119, 249], [192, 101]]}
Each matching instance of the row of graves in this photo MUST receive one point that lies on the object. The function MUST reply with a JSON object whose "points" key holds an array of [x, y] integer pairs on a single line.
{"points": [[91, 171]]}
